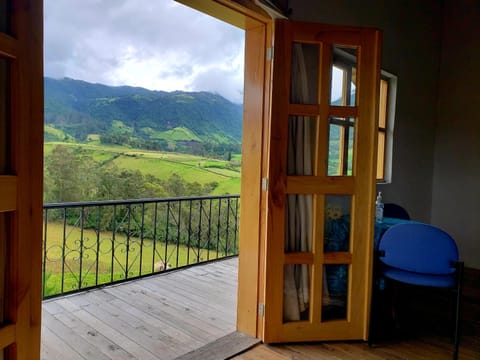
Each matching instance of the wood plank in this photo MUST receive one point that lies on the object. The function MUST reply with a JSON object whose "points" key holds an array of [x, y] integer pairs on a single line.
{"points": [[254, 122], [116, 335], [8, 46], [98, 341], [343, 111], [368, 88], [197, 308], [428, 348], [150, 321], [23, 303], [157, 342], [76, 343], [203, 285], [276, 169], [54, 348], [320, 185], [239, 13], [162, 316], [180, 314], [202, 326], [223, 348], [337, 258], [8, 193], [314, 32], [298, 258], [7, 335], [172, 320], [261, 352], [222, 307], [304, 109]]}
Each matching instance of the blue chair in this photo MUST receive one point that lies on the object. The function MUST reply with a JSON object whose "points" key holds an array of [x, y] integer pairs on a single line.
{"points": [[422, 255], [392, 210]]}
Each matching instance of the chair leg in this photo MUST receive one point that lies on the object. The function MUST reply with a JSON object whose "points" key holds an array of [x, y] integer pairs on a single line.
{"points": [[458, 319], [374, 299], [395, 301]]}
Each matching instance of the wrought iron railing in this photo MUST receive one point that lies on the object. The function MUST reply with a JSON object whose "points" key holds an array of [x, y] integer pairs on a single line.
{"points": [[90, 244]]}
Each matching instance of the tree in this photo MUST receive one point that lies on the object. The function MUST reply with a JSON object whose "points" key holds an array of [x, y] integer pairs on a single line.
{"points": [[70, 177]]}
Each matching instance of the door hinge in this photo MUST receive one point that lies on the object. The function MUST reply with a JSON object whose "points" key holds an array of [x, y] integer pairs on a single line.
{"points": [[269, 53], [264, 184], [261, 309]]}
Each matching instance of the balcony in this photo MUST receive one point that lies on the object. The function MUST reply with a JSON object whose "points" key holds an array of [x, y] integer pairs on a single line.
{"points": [[89, 245], [159, 317]]}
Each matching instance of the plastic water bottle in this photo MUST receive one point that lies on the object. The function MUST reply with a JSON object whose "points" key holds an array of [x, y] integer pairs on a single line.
{"points": [[379, 208]]}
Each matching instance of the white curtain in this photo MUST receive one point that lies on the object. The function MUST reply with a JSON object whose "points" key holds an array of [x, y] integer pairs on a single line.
{"points": [[299, 207]]}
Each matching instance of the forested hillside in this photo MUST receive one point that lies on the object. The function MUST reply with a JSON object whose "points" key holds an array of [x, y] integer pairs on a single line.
{"points": [[194, 122]]}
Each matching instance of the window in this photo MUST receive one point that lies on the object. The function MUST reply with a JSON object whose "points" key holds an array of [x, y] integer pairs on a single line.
{"points": [[341, 130], [386, 116]]}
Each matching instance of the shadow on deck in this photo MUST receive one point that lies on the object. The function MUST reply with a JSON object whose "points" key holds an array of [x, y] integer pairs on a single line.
{"points": [[159, 317]]}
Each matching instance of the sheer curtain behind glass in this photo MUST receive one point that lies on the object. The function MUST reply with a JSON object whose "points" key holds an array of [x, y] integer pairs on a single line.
{"points": [[299, 207]]}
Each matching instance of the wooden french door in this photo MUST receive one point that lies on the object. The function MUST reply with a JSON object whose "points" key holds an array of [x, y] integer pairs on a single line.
{"points": [[321, 182], [21, 174]]}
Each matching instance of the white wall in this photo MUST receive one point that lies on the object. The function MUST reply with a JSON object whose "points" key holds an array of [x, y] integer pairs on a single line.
{"points": [[456, 181]]}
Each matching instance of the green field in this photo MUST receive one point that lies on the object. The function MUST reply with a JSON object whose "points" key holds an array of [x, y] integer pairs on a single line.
{"points": [[162, 165], [80, 263]]}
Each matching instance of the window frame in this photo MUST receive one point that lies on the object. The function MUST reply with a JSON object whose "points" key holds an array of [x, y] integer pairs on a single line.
{"points": [[389, 123], [347, 62]]}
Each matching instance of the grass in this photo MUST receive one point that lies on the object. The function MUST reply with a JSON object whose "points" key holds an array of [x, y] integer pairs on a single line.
{"points": [[175, 134], [54, 133], [163, 169], [163, 164], [80, 264], [225, 187]]}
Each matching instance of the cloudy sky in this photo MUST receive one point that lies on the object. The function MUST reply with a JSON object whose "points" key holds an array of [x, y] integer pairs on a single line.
{"points": [[156, 44]]}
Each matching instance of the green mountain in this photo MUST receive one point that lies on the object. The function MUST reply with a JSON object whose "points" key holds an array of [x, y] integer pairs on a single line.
{"points": [[131, 115]]}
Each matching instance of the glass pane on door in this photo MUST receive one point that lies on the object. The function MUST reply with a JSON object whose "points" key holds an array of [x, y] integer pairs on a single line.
{"points": [[299, 223], [335, 292], [304, 74], [343, 87], [296, 292], [337, 223], [341, 146], [301, 145]]}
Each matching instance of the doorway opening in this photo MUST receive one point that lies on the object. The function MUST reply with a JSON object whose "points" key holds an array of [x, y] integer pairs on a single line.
{"points": [[140, 181]]}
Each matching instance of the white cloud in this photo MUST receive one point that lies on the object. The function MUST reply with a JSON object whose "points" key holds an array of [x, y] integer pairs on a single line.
{"points": [[159, 45]]}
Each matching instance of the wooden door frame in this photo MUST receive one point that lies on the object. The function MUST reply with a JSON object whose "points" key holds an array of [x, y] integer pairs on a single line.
{"points": [[24, 49], [258, 26]]}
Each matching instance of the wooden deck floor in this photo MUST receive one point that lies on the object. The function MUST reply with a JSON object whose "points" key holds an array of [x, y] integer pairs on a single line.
{"points": [[421, 349], [159, 317], [165, 316]]}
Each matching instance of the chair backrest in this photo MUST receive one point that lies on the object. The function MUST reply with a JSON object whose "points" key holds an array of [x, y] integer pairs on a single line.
{"points": [[395, 211], [418, 248]]}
